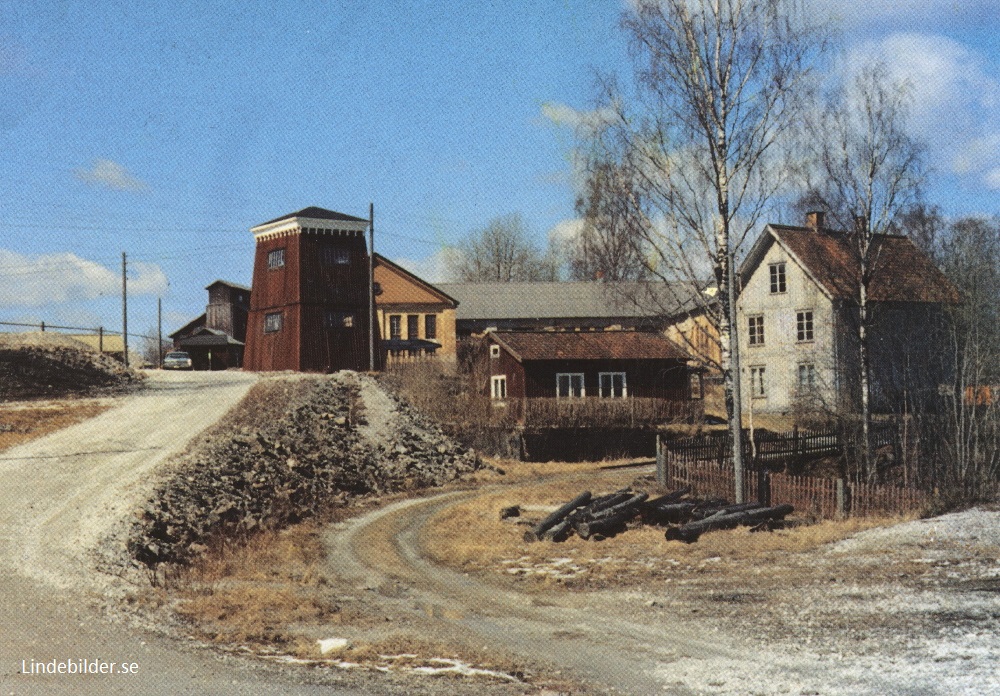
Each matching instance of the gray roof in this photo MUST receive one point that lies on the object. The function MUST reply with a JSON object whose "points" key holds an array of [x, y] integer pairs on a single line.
{"points": [[568, 300], [316, 214]]}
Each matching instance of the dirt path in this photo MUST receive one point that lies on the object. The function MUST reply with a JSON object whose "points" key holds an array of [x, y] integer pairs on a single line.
{"points": [[612, 640], [60, 496]]}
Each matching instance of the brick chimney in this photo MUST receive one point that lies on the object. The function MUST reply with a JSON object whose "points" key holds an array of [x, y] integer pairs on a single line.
{"points": [[814, 220]]}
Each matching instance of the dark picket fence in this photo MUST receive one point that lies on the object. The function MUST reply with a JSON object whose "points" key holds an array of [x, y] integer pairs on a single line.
{"points": [[703, 465]]}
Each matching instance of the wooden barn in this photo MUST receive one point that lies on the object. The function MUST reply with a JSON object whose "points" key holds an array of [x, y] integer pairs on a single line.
{"points": [[587, 365], [309, 307], [215, 340]]}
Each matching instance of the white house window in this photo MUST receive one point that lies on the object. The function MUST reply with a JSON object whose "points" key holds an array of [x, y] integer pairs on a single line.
{"points": [[272, 322], [612, 385], [276, 259], [697, 392], [756, 330], [336, 256], [804, 326], [807, 378], [498, 388], [569, 385], [757, 382], [494, 351], [395, 327], [339, 320], [777, 277]]}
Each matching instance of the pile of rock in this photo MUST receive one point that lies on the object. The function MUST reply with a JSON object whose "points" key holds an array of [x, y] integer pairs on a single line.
{"points": [[286, 469], [49, 365]]}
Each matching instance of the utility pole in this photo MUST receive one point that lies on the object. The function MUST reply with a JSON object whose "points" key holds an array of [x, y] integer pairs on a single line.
{"points": [[124, 310], [371, 287], [159, 332]]}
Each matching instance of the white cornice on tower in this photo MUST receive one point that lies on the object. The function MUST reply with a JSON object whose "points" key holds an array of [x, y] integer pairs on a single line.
{"points": [[310, 225]]}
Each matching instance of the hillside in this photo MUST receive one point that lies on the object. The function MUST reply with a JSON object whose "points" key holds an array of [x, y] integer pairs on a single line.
{"points": [[34, 365]]}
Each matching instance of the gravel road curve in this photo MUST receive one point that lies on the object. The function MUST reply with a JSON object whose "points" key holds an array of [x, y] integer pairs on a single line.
{"points": [[59, 497]]}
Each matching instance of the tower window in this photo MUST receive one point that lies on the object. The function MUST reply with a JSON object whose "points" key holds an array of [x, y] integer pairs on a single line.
{"points": [[276, 259]]}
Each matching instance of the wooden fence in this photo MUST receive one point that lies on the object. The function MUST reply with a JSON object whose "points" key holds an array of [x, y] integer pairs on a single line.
{"points": [[713, 477], [595, 412]]}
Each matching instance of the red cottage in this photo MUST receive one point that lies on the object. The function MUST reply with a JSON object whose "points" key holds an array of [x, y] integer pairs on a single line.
{"points": [[309, 307]]}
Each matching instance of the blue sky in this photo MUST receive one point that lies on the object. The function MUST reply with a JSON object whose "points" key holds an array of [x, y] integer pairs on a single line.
{"points": [[167, 130]]}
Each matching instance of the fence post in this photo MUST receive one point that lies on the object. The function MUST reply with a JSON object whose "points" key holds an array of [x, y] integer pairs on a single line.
{"points": [[661, 464], [841, 499], [43, 326]]}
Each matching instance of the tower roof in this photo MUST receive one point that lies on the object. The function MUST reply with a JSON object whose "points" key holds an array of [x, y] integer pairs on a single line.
{"points": [[316, 213]]}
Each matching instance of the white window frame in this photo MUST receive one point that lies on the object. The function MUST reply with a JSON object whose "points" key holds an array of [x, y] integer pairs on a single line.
{"points": [[274, 322], [611, 376], [778, 277], [805, 327], [396, 319], [339, 320], [336, 256], [498, 387], [758, 389], [276, 259], [494, 351], [571, 378], [755, 330], [808, 385]]}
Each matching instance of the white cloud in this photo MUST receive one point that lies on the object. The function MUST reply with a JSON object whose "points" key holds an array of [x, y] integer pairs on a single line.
{"points": [[565, 231], [108, 174], [434, 268], [36, 281], [954, 91], [588, 121]]}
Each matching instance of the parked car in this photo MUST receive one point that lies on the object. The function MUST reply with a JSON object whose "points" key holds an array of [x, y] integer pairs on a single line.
{"points": [[178, 360]]}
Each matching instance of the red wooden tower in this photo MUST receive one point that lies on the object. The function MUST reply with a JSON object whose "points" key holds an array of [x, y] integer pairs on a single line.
{"points": [[309, 306]]}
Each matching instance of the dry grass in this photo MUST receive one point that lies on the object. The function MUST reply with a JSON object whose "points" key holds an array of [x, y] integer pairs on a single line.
{"points": [[471, 537], [25, 421], [253, 593]]}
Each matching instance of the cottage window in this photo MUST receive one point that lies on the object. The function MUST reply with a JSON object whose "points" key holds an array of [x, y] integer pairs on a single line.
{"points": [[756, 330], [807, 378], [757, 390], [612, 385], [272, 322], [498, 386], [412, 326], [778, 277], [430, 326], [336, 256], [339, 320], [569, 385], [697, 392], [494, 351], [804, 326], [395, 327], [276, 259]]}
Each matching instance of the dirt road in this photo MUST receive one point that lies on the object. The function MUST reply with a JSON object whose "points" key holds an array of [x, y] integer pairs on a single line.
{"points": [[60, 496], [616, 641]]}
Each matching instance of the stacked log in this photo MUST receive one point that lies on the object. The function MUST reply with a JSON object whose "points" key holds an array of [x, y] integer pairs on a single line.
{"points": [[686, 518]]}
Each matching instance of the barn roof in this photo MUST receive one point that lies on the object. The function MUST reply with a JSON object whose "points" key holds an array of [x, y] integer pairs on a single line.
{"points": [[227, 284], [571, 300], [588, 345], [902, 272]]}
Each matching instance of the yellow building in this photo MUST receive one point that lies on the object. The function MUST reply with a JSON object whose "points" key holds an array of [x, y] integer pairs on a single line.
{"points": [[416, 320]]}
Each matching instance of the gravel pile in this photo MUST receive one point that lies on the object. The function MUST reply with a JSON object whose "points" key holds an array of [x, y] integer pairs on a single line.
{"points": [[49, 365], [318, 453]]}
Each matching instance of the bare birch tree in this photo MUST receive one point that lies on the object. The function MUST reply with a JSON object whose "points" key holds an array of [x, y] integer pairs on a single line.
{"points": [[868, 172], [501, 252], [717, 86]]}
